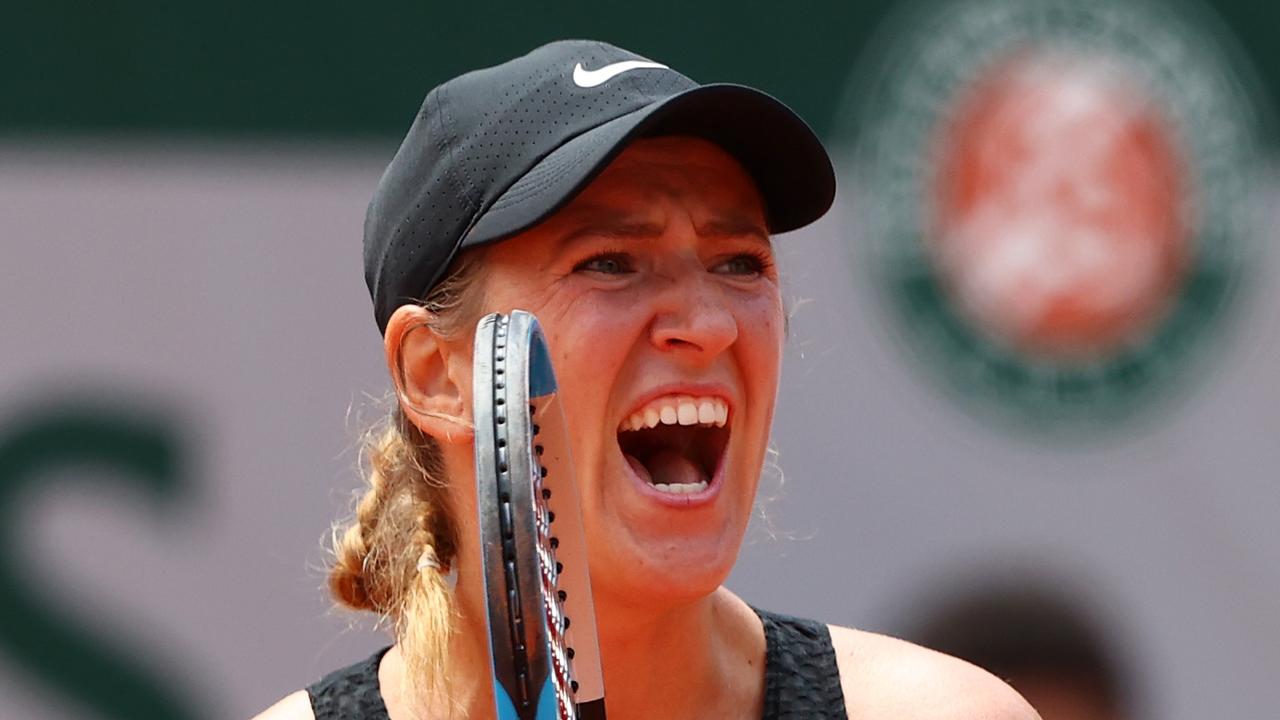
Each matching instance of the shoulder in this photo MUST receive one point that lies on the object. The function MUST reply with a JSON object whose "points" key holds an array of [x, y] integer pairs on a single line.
{"points": [[295, 706], [886, 677]]}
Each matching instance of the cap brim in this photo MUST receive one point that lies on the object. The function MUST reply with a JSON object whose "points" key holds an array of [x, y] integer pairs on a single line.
{"points": [[790, 167]]}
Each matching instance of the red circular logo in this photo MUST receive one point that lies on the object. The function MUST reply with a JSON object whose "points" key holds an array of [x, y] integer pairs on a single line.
{"points": [[1060, 225]]}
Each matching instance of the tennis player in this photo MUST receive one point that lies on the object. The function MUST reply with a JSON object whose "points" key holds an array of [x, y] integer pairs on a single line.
{"points": [[631, 210]]}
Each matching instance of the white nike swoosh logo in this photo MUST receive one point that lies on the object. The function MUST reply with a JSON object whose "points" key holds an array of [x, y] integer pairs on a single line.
{"points": [[585, 78]]}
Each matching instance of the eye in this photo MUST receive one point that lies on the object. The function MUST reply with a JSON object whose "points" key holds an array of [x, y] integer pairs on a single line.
{"points": [[746, 264], [607, 263]]}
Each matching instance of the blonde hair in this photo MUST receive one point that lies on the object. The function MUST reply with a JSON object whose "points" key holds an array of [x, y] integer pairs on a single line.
{"points": [[392, 556]]}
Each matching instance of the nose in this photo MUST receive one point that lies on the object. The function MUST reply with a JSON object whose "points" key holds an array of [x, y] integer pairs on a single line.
{"points": [[693, 319]]}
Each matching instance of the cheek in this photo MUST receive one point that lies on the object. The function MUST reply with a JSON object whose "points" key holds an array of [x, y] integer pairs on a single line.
{"points": [[762, 332], [591, 337], [759, 358]]}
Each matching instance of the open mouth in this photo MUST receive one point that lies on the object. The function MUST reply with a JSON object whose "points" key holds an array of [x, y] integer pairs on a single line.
{"points": [[676, 443]]}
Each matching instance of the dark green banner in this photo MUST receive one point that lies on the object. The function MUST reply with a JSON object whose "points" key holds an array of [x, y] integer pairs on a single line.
{"points": [[328, 69]]}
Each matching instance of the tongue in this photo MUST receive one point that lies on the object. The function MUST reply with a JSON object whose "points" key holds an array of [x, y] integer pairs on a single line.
{"points": [[668, 467]]}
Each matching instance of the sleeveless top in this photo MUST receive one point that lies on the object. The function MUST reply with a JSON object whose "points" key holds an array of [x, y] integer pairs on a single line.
{"points": [[800, 678]]}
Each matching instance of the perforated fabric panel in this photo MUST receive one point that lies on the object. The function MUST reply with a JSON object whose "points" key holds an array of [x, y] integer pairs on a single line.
{"points": [[350, 693]]}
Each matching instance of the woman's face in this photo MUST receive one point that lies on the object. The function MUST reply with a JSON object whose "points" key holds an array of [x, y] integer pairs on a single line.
{"points": [[657, 291]]}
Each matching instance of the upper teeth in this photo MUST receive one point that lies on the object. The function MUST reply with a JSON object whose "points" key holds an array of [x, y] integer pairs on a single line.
{"points": [[678, 410]]}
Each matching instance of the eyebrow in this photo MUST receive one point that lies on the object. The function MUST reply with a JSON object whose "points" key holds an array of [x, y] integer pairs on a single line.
{"points": [[733, 225], [610, 222], [614, 228]]}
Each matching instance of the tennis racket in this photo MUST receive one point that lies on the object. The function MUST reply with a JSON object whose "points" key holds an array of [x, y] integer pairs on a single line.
{"points": [[542, 629]]}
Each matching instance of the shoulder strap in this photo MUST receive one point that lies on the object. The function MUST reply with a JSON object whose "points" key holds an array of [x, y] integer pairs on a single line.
{"points": [[351, 693], [801, 679]]}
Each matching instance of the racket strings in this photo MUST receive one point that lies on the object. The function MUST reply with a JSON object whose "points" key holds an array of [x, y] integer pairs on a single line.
{"points": [[553, 596]]}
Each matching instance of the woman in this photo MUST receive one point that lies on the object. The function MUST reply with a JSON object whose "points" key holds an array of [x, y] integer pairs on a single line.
{"points": [[630, 209]]}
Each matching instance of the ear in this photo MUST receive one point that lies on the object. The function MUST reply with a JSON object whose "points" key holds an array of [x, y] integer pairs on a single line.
{"points": [[429, 379]]}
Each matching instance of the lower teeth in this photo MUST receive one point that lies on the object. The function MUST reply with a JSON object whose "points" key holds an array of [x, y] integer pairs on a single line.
{"points": [[681, 488]]}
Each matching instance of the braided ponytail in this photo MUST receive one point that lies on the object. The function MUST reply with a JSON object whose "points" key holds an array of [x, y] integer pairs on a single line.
{"points": [[392, 556]]}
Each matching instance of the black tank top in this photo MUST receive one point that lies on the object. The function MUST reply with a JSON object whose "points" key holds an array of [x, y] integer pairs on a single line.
{"points": [[800, 678]]}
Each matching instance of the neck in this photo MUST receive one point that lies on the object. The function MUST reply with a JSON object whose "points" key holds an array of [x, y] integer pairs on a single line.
{"points": [[703, 659]]}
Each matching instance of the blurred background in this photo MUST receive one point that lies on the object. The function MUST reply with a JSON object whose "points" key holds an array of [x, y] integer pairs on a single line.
{"points": [[1030, 412]]}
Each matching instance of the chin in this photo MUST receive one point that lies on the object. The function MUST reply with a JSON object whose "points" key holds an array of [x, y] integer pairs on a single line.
{"points": [[661, 572]]}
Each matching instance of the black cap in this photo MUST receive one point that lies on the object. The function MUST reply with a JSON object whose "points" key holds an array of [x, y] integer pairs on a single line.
{"points": [[496, 151]]}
